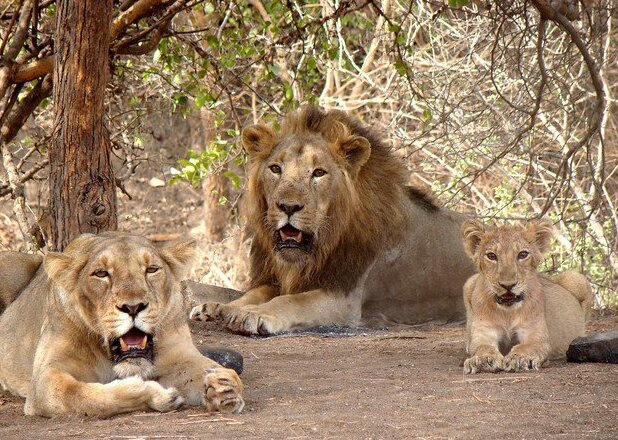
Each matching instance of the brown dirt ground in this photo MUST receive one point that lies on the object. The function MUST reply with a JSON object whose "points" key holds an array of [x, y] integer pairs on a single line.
{"points": [[404, 383]]}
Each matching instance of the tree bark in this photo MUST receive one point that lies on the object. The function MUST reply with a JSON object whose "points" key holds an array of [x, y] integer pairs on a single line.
{"points": [[82, 185]]}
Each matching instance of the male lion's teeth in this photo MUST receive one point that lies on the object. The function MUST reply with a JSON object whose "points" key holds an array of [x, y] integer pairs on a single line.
{"points": [[123, 345], [142, 344]]}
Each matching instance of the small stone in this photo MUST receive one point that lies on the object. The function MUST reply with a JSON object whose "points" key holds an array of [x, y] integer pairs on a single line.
{"points": [[598, 347], [223, 356], [156, 182]]}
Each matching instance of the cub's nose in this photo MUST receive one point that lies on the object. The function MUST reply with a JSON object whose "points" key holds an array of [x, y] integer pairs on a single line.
{"points": [[507, 287], [132, 309], [289, 209]]}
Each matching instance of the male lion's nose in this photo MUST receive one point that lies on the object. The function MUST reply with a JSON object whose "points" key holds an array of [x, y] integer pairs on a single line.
{"points": [[507, 287], [288, 208], [132, 309]]}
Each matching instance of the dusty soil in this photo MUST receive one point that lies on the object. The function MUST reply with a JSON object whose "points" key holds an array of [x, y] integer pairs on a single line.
{"points": [[402, 382]]}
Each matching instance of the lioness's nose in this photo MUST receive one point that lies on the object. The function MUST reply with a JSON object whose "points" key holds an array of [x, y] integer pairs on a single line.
{"points": [[132, 309], [289, 209]]}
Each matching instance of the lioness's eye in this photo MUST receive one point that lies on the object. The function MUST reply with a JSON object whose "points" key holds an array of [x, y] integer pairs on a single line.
{"points": [[319, 172], [152, 269], [100, 273], [523, 255], [491, 256], [275, 169]]}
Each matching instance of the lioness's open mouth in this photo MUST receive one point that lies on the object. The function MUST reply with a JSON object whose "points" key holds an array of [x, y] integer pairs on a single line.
{"points": [[133, 344], [509, 298], [289, 237]]}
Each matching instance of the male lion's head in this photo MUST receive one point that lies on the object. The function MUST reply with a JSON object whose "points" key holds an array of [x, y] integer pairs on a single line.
{"points": [[122, 289], [507, 256], [305, 182]]}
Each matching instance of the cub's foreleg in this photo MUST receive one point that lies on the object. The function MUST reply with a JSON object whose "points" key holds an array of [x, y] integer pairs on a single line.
{"points": [[533, 349]]}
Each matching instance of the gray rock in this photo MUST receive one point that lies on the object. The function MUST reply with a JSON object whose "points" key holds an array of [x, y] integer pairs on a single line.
{"points": [[223, 356], [598, 347]]}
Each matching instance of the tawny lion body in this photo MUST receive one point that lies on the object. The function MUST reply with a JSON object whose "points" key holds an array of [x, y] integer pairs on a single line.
{"points": [[101, 330], [337, 235], [517, 318]]}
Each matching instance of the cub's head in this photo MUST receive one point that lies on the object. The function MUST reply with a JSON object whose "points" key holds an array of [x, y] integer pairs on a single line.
{"points": [[507, 256], [302, 182], [122, 288]]}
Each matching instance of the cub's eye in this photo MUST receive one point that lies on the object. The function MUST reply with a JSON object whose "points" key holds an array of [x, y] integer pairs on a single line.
{"points": [[100, 273], [491, 256], [523, 255], [319, 172], [276, 169], [152, 269]]}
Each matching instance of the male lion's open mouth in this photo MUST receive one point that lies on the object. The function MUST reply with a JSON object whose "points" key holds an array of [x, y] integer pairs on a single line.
{"points": [[133, 344], [509, 298], [289, 237]]}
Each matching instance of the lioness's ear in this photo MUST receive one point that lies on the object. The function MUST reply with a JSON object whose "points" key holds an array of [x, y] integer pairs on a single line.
{"points": [[56, 265], [541, 233], [472, 232], [356, 150], [179, 255], [258, 140], [61, 266]]}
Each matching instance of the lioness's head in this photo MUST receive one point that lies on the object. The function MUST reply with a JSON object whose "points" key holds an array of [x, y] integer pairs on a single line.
{"points": [[507, 256], [121, 287], [302, 180]]}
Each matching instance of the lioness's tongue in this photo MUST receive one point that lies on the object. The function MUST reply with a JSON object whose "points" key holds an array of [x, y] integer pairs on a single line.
{"points": [[133, 339]]}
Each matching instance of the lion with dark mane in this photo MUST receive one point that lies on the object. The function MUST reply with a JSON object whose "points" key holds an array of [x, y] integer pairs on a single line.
{"points": [[337, 234]]}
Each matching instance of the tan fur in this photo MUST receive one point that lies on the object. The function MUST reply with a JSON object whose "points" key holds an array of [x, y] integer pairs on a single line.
{"points": [[17, 269], [54, 338], [378, 248], [522, 335]]}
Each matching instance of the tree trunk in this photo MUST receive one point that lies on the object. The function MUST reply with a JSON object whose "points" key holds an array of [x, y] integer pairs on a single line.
{"points": [[82, 186]]}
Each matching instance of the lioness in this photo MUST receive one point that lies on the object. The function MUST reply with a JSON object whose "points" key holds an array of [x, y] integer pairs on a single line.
{"points": [[100, 329], [337, 234], [517, 318]]}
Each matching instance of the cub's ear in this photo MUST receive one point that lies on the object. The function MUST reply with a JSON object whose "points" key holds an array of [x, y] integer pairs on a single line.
{"points": [[356, 151], [179, 255], [540, 233], [472, 232], [258, 140]]}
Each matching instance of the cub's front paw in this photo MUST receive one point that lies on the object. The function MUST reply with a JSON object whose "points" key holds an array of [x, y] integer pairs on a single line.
{"points": [[479, 364], [163, 399], [249, 321], [206, 312], [222, 391], [516, 362]]}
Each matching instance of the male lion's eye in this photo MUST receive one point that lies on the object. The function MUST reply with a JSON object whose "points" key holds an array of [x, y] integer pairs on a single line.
{"points": [[152, 269], [319, 172], [491, 256], [100, 273], [523, 255], [275, 169]]}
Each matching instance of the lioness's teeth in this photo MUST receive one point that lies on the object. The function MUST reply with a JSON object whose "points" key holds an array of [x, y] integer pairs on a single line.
{"points": [[142, 344], [123, 345]]}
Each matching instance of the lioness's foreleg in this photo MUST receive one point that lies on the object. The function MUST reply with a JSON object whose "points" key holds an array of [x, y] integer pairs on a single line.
{"points": [[213, 310], [533, 349], [200, 380], [287, 312], [56, 392]]}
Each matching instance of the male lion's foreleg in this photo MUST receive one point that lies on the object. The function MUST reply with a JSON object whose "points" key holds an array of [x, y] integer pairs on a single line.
{"points": [[57, 393], [211, 311]]}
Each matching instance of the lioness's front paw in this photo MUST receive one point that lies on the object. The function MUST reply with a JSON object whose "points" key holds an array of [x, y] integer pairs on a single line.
{"points": [[250, 322], [206, 312], [516, 362], [163, 399], [479, 364], [222, 391]]}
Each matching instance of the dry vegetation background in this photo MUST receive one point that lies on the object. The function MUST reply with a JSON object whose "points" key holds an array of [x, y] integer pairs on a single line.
{"points": [[505, 109]]}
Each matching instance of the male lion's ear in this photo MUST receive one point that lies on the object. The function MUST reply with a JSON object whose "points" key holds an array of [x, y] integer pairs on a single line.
{"points": [[356, 150], [472, 232], [258, 140], [179, 255], [541, 233]]}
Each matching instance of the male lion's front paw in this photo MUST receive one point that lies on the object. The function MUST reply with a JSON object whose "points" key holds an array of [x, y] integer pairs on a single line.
{"points": [[206, 312], [516, 362], [222, 391], [479, 364], [163, 399], [251, 322]]}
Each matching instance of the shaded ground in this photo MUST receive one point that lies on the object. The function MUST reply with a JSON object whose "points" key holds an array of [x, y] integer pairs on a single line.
{"points": [[402, 383]]}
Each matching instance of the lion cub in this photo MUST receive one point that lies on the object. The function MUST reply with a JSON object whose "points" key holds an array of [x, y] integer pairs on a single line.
{"points": [[517, 318]]}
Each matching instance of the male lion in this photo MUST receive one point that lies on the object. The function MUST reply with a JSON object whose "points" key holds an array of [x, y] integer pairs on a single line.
{"points": [[337, 234], [517, 318], [100, 329]]}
